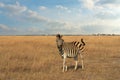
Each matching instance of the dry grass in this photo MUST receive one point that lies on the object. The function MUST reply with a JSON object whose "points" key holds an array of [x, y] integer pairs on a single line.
{"points": [[37, 58]]}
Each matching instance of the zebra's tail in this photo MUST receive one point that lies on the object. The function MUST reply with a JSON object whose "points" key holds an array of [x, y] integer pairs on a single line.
{"points": [[82, 45]]}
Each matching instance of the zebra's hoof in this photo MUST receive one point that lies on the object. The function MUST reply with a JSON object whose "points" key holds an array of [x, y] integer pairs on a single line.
{"points": [[82, 68], [75, 69]]}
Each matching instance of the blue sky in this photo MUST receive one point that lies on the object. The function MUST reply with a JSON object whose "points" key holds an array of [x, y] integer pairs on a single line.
{"points": [[26, 17]]}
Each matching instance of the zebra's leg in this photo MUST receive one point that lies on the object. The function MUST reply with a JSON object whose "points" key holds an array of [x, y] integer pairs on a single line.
{"points": [[76, 62], [82, 61], [63, 64], [76, 65], [66, 68]]}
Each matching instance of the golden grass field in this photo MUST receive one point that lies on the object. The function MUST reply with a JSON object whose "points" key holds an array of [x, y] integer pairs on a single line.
{"points": [[37, 58]]}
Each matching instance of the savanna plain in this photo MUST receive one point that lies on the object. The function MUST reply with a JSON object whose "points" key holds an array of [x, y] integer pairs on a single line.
{"points": [[37, 58]]}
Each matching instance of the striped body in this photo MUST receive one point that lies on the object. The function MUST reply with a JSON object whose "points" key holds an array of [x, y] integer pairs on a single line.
{"points": [[70, 50]]}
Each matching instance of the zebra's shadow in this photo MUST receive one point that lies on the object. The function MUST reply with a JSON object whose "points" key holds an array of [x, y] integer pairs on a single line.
{"points": [[73, 67]]}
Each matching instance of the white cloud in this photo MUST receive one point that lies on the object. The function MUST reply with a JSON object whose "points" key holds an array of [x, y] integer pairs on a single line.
{"points": [[42, 8], [35, 17], [13, 9], [101, 4], [110, 11], [109, 1], [90, 4], [4, 27], [101, 26], [35, 30], [6, 30], [1, 4], [103, 18], [103, 9], [60, 7], [22, 12]]}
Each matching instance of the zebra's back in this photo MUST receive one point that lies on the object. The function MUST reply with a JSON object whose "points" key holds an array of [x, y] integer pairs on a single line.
{"points": [[70, 50]]}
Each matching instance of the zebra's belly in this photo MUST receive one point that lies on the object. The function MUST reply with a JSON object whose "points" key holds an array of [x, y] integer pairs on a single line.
{"points": [[71, 55]]}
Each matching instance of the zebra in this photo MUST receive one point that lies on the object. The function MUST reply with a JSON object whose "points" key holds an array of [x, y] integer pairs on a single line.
{"points": [[70, 50]]}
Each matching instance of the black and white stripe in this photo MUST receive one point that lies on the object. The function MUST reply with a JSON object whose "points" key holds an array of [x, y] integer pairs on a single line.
{"points": [[72, 50], [80, 45]]}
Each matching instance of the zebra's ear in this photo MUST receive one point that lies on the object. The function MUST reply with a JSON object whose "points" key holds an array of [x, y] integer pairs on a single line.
{"points": [[58, 35]]}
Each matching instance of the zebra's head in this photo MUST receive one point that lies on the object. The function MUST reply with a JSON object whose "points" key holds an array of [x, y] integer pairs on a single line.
{"points": [[59, 42], [58, 36]]}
